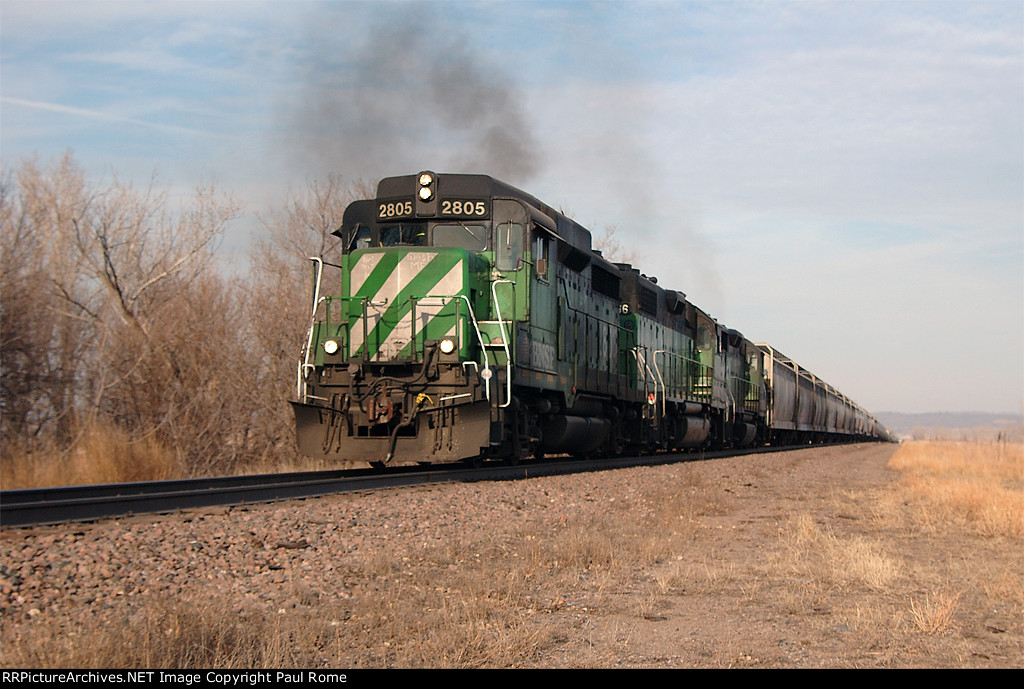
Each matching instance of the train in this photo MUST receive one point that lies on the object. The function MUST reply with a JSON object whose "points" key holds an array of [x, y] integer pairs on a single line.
{"points": [[466, 320]]}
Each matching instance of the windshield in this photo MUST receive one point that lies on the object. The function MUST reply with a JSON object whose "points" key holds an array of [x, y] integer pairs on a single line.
{"points": [[471, 237], [411, 234]]}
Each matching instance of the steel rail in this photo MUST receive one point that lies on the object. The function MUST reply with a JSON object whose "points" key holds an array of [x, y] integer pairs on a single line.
{"points": [[67, 504], [88, 503]]}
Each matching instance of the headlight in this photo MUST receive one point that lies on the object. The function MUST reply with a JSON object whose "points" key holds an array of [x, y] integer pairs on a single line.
{"points": [[331, 346], [447, 345], [426, 190]]}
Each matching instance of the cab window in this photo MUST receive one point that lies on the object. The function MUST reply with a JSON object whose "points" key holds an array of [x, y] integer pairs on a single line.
{"points": [[360, 238], [508, 249], [541, 249], [704, 338]]}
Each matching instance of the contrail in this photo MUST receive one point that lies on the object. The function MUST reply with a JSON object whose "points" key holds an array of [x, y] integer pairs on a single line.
{"points": [[98, 115]]}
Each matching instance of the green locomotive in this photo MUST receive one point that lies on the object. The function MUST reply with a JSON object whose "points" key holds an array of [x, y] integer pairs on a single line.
{"points": [[474, 321]]}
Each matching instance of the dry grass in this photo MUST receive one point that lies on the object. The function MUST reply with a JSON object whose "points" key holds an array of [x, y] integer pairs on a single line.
{"points": [[934, 614], [980, 485], [165, 634], [497, 603], [952, 488], [106, 455], [98, 455], [822, 560], [880, 577]]}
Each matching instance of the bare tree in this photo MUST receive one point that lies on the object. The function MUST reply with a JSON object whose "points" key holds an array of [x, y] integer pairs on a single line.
{"points": [[280, 289], [46, 329], [612, 249], [95, 285], [137, 255], [185, 379], [114, 316]]}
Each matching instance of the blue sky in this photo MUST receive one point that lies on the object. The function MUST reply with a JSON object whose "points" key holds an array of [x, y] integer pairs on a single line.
{"points": [[843, 180]]}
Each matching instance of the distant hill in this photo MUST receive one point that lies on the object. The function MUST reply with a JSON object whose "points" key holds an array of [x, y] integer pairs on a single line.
{"points": [[954, 425]]}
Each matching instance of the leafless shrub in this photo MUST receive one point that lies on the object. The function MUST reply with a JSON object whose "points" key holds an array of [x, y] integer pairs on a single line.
{"points": [[279, 290], [114, 317]]}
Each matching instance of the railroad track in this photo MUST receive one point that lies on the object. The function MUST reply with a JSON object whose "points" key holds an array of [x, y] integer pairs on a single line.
{"points": [[40, 506], [88, 503]]}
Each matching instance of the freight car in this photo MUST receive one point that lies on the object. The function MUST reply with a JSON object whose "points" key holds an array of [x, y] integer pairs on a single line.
{"points": [[470, 320]]}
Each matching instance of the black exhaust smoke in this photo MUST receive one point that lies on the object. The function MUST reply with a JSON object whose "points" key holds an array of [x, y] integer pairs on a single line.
{"points": [[412, 95]]}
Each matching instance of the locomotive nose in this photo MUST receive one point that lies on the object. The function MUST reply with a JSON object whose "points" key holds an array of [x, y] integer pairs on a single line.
{"points": [[401, 300]]}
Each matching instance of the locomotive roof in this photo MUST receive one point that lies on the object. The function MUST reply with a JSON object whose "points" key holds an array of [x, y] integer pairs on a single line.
{"points": [[472, 186], [454, 185]]}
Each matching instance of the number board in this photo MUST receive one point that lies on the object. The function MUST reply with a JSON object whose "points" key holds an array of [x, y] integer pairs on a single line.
{"points": [[464, 208], [391, 210], [399, 209]]}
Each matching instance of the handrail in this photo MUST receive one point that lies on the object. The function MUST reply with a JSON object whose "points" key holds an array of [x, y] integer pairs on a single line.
{"points": [[504, 341], [682, 358], [300, 383], [304, 364], [476, 327], [642, 361], [748, 391]]}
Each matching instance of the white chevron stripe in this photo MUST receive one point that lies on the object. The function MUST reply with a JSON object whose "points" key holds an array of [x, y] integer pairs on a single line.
{"points": [[408, 267], [426, 311], [361, 270]]}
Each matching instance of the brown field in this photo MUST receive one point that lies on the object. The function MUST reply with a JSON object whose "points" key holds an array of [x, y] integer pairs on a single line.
{"points": [[857, 556], [103, 454]]}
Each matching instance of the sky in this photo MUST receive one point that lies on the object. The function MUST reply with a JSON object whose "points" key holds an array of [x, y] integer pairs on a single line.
{"points": [[842, 180]]}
